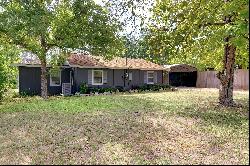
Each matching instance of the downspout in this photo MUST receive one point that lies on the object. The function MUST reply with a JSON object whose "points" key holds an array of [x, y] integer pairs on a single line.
{"points": [[72, 80], [113, 77], [125, 73], [162, 77]]}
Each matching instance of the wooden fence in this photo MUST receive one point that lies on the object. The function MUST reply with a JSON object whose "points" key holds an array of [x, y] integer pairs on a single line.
{"points": [[208, 79]]}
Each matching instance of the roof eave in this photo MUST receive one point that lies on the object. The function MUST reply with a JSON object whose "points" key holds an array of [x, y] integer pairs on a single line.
{"points": [[33, 65]]}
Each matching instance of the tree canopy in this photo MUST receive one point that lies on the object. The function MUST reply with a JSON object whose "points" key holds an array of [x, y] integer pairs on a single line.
{"points": [[8, 75], [38, 26], [193, 31], [44, 25]]}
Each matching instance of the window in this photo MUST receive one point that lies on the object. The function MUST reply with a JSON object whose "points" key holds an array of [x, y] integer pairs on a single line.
{"points": [[55, 78], [150, 78], [130, 76], [97, 77]]}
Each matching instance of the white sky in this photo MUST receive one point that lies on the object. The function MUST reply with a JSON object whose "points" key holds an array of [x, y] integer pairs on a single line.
{"points": [[129, 28]]}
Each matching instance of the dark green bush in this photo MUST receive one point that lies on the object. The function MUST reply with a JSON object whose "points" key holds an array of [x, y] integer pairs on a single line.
{"points": [[27, 93], [84, 88], [150, 87], [102, 90], [120, 88]]}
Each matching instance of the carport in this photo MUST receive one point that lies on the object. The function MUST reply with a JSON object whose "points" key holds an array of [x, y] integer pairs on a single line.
{"points": [[182, 75]]}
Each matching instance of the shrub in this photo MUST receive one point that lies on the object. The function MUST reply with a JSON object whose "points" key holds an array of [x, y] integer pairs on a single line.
{"points": [[113, 89], [3, 81], [27, 93], [120, 88], [153, 87], [94, 90], [110, 90], [135, 87], [164, 87], [83, 88], [102, 90]]}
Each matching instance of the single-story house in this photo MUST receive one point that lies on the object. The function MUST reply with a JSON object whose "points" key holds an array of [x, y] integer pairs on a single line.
{"points": [[182, 75], [93, 70]]}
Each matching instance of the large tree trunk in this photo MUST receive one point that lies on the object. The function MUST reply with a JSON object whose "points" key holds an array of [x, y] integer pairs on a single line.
{"points": [[226, 77], [44, 89]]}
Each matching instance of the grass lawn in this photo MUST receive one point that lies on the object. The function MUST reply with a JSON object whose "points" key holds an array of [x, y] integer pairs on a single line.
{"points": [[181, 127]]}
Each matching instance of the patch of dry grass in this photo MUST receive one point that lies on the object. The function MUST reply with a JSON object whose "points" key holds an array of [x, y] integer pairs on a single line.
{"points": [[182, 127]]}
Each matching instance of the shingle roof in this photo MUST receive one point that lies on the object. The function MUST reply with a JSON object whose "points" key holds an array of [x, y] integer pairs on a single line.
{"points": [[88, 61], [84, 60], [180, 68]]}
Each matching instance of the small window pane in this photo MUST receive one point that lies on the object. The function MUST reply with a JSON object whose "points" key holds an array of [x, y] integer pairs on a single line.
{"points": [[150, 80], [97, 77], [98, 73], [150, 75], [130, 76], [55, 78]]}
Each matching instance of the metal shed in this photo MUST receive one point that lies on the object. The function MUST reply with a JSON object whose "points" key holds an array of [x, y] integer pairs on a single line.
{"points": [[182, 75]]}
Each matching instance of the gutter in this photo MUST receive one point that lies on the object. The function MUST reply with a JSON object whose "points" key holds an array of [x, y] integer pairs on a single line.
{"points": [[89, 67]]}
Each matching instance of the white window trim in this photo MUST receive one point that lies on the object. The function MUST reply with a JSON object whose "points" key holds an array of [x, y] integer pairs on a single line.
{"points": [[50, 81], [150, 77], [70, 78], [93, 78]]}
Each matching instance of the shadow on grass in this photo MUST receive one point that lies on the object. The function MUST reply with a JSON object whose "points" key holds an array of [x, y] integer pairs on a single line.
{"points": [[134, 131], [218, 115], [44, 133]]}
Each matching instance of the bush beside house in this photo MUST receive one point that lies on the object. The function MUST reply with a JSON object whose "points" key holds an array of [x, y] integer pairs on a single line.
{"points": [[84, 89]]}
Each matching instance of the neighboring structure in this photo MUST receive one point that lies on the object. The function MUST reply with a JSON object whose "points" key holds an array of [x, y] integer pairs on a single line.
{"points": [[93, 70], [208, 79], [182, 75]]}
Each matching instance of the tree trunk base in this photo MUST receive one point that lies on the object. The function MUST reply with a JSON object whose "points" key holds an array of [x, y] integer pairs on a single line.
{"points": [[226, 77], [228, 103], [44, 88], [226, 96]]}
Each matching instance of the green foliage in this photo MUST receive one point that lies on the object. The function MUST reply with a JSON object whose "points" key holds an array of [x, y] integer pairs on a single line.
{"points": [[120, 88], [132, 14], [193, 31], [38, 26], [3, 80], [139, 48], [8, 74], [83, 88], [99, 90], [42, 27], [152, 87], [26, 94]]}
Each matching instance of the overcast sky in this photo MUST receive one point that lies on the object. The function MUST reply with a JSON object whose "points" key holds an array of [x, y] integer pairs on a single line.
{"points": [[132, 27]]}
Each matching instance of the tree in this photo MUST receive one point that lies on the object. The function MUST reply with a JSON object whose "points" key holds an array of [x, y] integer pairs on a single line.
{"points": [[139, 48], [206, 28], [44, 25], [8, 74]]}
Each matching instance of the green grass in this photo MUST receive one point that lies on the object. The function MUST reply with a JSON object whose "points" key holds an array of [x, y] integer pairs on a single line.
{"points": [[182, 127]]}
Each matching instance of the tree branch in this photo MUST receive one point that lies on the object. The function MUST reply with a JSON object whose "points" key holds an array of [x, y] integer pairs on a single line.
{"points": [[246, 37], [19, 43], [50, 45], [43, 43], [215, 24]]}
